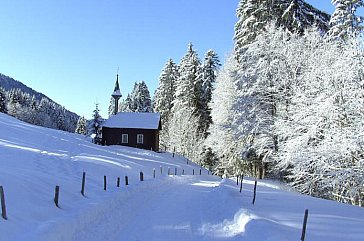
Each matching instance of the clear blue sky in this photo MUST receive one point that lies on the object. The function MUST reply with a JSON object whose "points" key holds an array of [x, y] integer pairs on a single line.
{"points": [[70, 50]]}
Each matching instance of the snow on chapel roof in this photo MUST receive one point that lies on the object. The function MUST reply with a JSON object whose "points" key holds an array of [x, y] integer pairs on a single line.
{"points": [[134, 120]]}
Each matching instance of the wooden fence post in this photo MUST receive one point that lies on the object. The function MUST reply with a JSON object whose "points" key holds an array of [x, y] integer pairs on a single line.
{"points": [[141, 176], [153, 172], [241, 182], [255, 191], [168, 171], [83, 183], [118, 182], [183, 171], [161, 170], [200, 171], [193, 171], [104, 183], [175, 171], [126, 181], [56, 196], [304, 226], [3, 207]]}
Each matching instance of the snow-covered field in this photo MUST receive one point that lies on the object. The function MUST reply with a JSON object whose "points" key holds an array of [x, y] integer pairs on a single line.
{"points": [[183, 207]]}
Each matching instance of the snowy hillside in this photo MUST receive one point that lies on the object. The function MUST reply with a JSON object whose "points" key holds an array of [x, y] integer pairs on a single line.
{"points": [[183, 207]]}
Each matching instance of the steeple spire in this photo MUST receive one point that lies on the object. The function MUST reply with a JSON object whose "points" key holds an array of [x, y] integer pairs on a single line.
{"points": [[116, 94]]}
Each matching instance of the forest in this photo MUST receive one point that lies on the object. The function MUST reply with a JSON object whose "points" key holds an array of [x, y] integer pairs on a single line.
{"points": [[287, 103]]}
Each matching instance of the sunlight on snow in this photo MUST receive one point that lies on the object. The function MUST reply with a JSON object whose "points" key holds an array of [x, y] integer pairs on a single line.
{"points": [[9, 144], [206, 184], [96, 159], [229, 228]]}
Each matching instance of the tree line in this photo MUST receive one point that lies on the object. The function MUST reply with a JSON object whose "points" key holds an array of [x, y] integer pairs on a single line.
{"points": [[288, 101], [43, 112]]}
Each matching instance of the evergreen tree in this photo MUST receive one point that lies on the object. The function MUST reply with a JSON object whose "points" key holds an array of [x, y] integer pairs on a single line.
{"points": [[292, 15], [209, 73], [3, 103], [185, 126], [126, 105], [164, 97], [81, 126], [110, 111], [140, 98], [344, 22], [96, 123]]}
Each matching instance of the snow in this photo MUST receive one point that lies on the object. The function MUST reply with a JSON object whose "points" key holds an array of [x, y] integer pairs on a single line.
{"points": [[134, 120], [182, 207]]}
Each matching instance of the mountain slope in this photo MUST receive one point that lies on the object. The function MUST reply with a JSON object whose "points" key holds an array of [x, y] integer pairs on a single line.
{"points": [[9, 83], [26, 104], [182, 207]]}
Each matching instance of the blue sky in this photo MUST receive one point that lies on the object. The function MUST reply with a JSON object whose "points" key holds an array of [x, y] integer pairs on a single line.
{"points": [[70, 50]]}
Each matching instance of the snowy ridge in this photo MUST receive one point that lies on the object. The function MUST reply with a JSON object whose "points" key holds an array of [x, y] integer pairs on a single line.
{"points": [[182, 207]]}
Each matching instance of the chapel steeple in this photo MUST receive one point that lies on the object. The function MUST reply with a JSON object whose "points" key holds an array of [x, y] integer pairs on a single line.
{"points": [[116, 94]]}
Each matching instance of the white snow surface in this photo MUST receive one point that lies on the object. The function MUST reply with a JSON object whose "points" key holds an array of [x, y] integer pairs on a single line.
{"points": [[170, 207], [133, 120]]}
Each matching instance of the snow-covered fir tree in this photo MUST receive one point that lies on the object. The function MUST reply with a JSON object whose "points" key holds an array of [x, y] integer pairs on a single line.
{"points": [[3, 108], [111, 108], [185, 128], [344, 22], [96, 123], [293, 15], [126, 105], [164, 97], [140, 98], [209, 71], [81, 127]]}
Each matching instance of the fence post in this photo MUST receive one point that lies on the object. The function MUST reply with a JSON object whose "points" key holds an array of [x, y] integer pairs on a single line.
{"points": [[141, 176], [241, 182], [183, 172], [255, 191], [126, 181], [193, 171], [161, 170], [168, 171], [104, 183], [153, 172], [175, 171], [200, 171], [56, 196], [304, 226], [118, 182], [83, 183], [3, 207]]}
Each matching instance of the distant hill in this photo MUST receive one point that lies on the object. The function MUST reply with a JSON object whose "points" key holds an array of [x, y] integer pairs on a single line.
{"points": [[36, 108], [9, 83]]}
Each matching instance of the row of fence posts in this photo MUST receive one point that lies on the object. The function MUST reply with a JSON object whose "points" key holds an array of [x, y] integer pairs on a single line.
{"points": [[304, 225], [141, 178], [83, 184]]}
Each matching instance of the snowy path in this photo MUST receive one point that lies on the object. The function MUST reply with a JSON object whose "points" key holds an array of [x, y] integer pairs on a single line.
{"points": [[173, 208], [178, 213]]}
